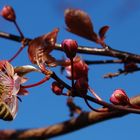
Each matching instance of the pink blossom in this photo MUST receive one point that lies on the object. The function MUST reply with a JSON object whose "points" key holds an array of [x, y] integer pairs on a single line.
{"points": [[9, 86], [119, 97], [80, 69]]}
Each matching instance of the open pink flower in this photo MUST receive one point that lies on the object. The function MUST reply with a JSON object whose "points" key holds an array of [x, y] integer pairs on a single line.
{"points": [[9, 87], [80, 69], [9, 81]]}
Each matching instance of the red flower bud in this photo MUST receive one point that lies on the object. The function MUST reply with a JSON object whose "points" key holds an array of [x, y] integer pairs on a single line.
{"points": [[57, 88], [80, 69], [8, 13], [81, 85], [70, 47], [119, 97], [130, 66]]}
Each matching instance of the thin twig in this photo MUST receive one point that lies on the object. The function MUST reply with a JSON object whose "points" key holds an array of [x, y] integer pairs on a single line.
{"points": [[72, 74], [115, 61], [55, 77], [36, 84], [17, 53], [86, 50], [94, 94], [126, 56], [19, 30], [120, 72], [100, 102]]}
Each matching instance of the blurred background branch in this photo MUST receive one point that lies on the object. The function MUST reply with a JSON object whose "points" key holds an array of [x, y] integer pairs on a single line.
{"points": [[83, 120]]}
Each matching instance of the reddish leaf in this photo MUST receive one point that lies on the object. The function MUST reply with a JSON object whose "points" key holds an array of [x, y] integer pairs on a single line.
{"points": [[78, 22], [39, 49], [103, 31]]}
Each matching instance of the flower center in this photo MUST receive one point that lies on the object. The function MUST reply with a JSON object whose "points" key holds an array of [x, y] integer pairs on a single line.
{"points": [[6, 85]]}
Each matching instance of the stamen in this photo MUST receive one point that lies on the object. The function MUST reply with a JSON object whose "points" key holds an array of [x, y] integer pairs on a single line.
{"points": [[6, 83]]}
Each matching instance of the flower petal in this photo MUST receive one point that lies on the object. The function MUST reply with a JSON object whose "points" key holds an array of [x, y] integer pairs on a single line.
{"points": [[23, 91], [9, 68]]}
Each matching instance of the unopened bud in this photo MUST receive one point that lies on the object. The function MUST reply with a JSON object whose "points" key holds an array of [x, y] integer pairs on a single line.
{"points": [[80, 69], [70, 47], [81, 85], [57, 88], [8, 13], [119, 97], [130, 66]]}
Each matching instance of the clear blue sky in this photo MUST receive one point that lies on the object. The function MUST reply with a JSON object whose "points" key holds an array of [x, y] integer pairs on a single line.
{"points": [[41, 107]]}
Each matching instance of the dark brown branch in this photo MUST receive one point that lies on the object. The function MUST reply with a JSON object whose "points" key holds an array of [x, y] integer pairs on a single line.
{"points": [[126, 56], [111, 75], [11, 37], [55, 77], [117, 61], [83, 120]]}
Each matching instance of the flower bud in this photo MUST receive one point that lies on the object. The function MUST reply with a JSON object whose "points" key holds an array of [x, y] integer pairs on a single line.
{"points": [[70, 47], [130, 66], [81, 85], [57, 88], [119, 97], [8, 13], [80, 69]]}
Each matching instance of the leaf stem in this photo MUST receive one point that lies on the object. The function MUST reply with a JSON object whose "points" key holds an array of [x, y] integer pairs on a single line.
{"points": [[92, 91], [19, 30], [72, 73], [38, 83], [17, 53]]}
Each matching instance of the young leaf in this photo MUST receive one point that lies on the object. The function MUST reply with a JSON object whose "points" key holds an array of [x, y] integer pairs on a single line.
{"points": [[39, 49], [22, 70], [103, 31], [78, 22]]}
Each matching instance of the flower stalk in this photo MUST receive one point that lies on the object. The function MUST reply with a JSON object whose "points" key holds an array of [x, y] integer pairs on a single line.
{"points": [[37, 84], [18, 29], [72, 74], [17, 53], [92, 91]]}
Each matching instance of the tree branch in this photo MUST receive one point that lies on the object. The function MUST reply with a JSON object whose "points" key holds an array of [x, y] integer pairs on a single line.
{"points": [[111, 75], [95, 100], [83, 120], [85, 50], [115, 61]]}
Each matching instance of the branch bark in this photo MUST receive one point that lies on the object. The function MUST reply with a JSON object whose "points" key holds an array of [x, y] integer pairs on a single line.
{"points": [[108, 51], [96, 62], [83, 120]]}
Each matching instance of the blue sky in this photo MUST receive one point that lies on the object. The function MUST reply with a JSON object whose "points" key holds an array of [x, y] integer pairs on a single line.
{"points": [[41, 107]]}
